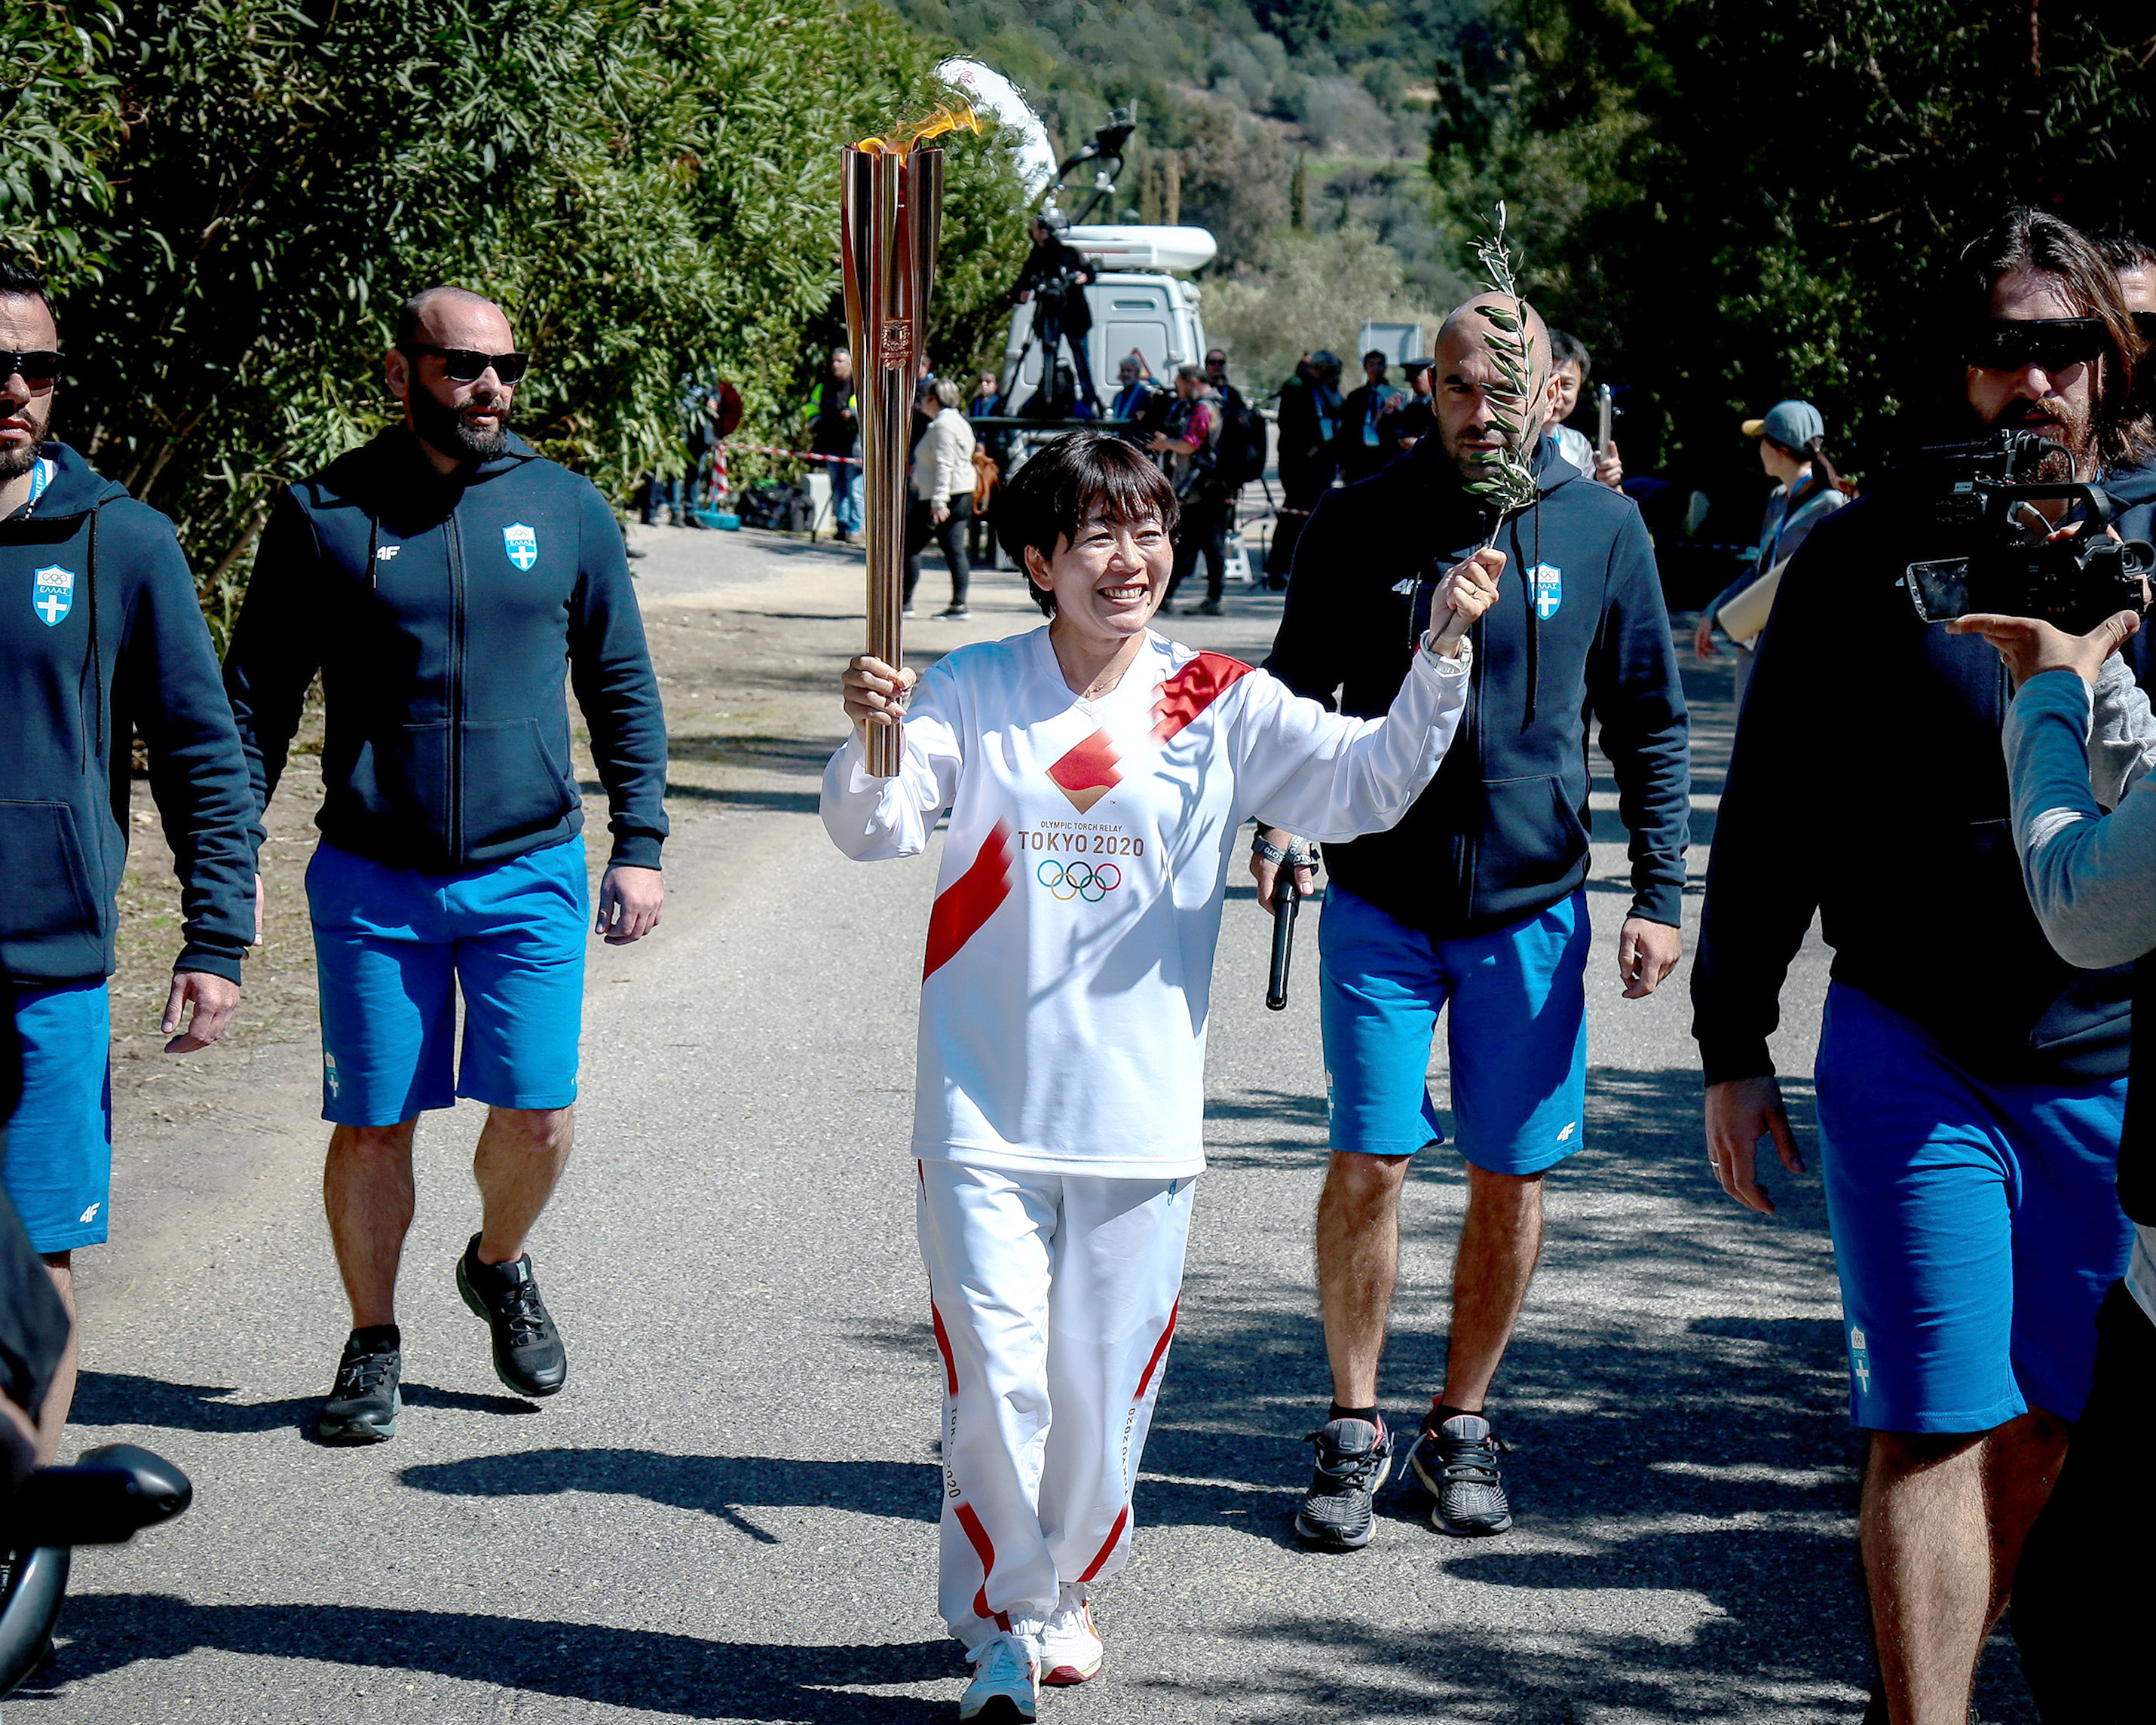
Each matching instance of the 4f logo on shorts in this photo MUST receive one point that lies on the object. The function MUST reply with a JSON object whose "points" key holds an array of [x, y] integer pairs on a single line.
{"points": [[1090, 881], [1549, 590], [331, 1081], [521, 544], [51, 594], [1860, 1363]]}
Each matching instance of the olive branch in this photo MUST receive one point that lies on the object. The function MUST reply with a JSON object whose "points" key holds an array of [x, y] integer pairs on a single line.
{"points": [[1507, 482]]}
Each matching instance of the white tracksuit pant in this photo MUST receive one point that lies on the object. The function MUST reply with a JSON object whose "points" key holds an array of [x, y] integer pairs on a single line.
{"points": [[1054, 1297]]}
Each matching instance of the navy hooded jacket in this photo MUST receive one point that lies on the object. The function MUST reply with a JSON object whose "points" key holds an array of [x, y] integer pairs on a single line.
{"points": [[442, 614], [1501, 833], [1868, 784], [101, 636]]}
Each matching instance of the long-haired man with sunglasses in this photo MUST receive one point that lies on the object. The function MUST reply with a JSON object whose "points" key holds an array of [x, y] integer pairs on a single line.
{"points": [[100, 637], [440, 578], [1971, 1083]]}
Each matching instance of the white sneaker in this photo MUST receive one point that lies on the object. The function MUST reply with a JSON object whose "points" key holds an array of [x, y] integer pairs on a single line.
{"points": [[1005, 1687], [1071, 1647]]}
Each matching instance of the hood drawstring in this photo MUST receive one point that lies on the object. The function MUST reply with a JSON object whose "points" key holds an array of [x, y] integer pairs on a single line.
{"points": [[93, 662], [1534, 619]]}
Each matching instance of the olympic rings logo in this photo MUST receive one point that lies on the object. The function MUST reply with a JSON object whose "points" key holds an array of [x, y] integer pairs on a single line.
{"points": [[1079, 880]]}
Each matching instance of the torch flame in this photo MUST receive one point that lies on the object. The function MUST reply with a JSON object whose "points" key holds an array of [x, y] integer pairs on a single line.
{"points": [[955, 116]]}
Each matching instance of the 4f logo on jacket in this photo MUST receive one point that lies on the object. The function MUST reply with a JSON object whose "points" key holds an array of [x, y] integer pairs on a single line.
{"points": [[521, 544], [51, 594], [1549, 590]]}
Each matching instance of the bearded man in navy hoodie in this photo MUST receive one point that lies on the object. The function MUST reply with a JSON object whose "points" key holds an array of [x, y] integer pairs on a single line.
{"points": [[442, 578], [1476, 901], [100, 637]]}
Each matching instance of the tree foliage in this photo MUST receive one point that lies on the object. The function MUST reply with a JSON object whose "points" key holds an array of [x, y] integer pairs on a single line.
{"points": [[232, 196], [1736, 203]]}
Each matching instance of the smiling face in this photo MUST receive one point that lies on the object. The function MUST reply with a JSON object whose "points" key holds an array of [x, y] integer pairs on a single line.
{"points": [[25, 327], [2061, 404], [1108, 578], [465, 422], [1566, 383]]}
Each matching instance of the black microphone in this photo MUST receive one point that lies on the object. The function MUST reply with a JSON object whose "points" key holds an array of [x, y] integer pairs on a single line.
{"points": [[1286, 897]]}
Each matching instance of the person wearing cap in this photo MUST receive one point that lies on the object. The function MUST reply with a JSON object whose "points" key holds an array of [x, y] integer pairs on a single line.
{"points": [[1309, 419], [1057, 275], [1970, 1081], [1412, 418], [1792, 439]]}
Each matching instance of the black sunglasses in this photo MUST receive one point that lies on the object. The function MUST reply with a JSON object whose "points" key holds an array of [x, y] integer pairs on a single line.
{"points": [[39, 370], [462, 365], [2052, 344]]}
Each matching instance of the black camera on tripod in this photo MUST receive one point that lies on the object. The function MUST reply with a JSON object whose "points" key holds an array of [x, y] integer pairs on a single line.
{"points": [[2012, 566]]}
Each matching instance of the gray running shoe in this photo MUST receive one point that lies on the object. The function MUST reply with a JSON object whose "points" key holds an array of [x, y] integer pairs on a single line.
{"points": [[1353, 1458], [1458, 1465]]}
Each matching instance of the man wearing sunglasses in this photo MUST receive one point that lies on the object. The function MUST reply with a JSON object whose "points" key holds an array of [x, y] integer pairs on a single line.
{"points": [[1970, 1082], [100, 637], [440, 578]]}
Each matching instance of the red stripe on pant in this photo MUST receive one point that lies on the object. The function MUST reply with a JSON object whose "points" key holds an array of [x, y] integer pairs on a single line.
{"points": [[943, 1347], [983, 1548], [1122, 1520]]}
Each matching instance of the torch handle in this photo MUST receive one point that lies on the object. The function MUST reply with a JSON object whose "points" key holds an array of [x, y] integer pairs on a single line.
{"points": [[1286, 897]]}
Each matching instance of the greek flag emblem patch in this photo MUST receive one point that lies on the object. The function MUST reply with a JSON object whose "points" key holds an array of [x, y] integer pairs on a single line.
{"points": [[52, 594], [1549, 590], [521, 544]]}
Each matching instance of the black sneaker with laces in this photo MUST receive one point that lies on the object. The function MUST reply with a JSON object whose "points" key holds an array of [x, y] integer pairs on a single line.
{"points": [[528, 1356], [1353, 1458], [365, 1401], [1457, 1464]]}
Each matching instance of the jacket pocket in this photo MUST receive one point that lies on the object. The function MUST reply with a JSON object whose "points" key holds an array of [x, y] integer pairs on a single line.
{"points": [[1532, 836], [401, 777], [47, 880], [513, 787]]}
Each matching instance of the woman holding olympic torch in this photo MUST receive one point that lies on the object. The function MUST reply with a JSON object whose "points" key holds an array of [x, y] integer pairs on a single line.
{"points": [[1097, 776]]}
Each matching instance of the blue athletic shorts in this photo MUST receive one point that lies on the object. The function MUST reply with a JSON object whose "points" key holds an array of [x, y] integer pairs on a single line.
{"points": [[392, 947], [59, 1167], [1516, 1040], [1975, 1226]]}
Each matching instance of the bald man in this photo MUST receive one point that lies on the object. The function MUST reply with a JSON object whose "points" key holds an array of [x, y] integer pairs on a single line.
{"points": [[1476, 900], [440, 578]]}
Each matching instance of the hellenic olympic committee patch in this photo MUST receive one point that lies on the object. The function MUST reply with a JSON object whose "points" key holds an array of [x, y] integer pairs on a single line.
{"points": [[51, 594], [1549, 590], [521, 544]]}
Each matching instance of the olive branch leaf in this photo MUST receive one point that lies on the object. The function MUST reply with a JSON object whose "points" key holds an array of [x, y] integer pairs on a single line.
{"points": [[1506, 484]]}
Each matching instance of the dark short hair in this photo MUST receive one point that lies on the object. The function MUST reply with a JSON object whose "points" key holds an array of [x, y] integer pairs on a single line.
{"points": [[20, 277], [413, 313], [2126, 251], [2025, 239], [1568, 349], [1377, 353], [1080, 474]]}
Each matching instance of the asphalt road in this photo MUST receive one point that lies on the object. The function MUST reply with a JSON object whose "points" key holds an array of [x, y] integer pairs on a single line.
{"points": [[727, 1514]]}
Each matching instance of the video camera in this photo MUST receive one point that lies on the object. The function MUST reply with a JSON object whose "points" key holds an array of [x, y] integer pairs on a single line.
{"points": [[2012, 566]]}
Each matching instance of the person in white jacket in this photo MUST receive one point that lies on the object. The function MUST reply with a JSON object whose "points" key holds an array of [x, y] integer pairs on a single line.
{"points": [[1097, 776], [943, 485]]}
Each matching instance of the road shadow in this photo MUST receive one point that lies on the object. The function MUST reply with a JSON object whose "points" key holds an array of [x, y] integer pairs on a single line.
{"points": [[125, 1399], [641, 1669], [720, 1485]]}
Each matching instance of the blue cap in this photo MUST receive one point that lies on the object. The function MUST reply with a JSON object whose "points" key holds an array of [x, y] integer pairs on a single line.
{"points": [[1790, 424]]}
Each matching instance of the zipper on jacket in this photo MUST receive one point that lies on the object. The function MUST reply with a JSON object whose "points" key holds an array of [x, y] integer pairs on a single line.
{"points": [[456, 693]]}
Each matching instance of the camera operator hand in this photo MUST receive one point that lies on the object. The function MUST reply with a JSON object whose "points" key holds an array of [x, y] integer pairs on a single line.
{"points": [[2030, 647], [1740, 1113]]}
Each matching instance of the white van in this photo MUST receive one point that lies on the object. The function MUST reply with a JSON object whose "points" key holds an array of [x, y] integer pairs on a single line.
{"points": [[1137, 304]]}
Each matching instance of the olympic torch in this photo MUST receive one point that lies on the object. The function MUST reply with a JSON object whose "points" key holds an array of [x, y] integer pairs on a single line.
{"points": [[890, 215]]}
